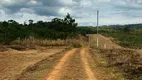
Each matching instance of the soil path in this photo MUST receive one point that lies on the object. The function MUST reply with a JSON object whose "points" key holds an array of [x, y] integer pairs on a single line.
{"points": [[55, 73], [86, 65], [73, 66]]}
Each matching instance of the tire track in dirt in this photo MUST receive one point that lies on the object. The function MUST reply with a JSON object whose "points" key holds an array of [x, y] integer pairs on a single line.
{"points": [[73, 66], [88, 70], [54, 75]]}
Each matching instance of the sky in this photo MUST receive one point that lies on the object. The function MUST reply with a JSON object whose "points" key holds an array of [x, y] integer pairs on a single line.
{"points": [[111, 12]]}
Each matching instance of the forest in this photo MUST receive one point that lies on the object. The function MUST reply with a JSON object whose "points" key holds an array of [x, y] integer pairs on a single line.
{"points": [[55, 29]]}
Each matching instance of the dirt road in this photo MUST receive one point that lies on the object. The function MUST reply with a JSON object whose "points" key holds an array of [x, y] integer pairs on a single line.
{"points": [[73, 66]]}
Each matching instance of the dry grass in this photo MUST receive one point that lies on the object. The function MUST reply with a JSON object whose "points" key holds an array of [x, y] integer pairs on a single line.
{"points": [[116, 60], [104, 42], [99, 66], [40, 70], [40, 42], [14, 62], [127, 61]]}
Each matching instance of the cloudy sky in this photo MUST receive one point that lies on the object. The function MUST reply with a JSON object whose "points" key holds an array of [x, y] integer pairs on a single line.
{"points": [[84, 11]]}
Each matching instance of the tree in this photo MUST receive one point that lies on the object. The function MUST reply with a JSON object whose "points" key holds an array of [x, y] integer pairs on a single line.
{"points": [[70, 23], [30, 24], [68, 20], [55, 29], [31, 21], [64, 25], [126, 29]]}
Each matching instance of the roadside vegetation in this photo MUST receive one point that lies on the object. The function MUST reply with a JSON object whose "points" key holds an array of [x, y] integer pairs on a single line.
{"points": [[129, 36], [63, 31], [32, 42], [116, 63], [55, 29], [124, 61]]}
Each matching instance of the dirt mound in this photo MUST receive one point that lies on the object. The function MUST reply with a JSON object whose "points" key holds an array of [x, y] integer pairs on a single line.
{"points": [[103, 41], [3, 48], [17, 47]]}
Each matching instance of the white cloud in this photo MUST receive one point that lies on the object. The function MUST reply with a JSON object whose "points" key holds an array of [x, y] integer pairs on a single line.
{"points": [[12, 2], [104, 0], [111, 11], [27, 10], [67, 2], [64, 11], [22, 17], [85, 3]]}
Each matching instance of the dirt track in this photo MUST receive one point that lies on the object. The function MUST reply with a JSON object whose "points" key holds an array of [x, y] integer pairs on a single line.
{"points": [[73, 66]]}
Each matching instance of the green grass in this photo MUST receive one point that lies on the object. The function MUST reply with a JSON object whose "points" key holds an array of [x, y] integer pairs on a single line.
{"points": [[129, 36], [132, 39]]}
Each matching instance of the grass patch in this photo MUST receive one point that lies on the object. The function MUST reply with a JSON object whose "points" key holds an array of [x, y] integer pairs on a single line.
{"points": [[31, 42], [100, 67], [127, 61], [132, 39]]}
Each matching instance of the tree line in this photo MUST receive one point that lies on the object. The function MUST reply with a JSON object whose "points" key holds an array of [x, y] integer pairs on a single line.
{"points": [[55, 29]]}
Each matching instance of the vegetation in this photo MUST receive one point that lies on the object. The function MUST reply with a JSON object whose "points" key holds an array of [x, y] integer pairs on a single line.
{"points": [[86, 30], [124, 61], [44, 42], [126, 35], [56, 29]]}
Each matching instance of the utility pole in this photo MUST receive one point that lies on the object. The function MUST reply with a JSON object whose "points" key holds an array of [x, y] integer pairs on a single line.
{"points": [[97, 28]]}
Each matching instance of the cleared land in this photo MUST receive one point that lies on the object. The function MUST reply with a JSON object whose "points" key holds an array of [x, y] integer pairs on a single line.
{"points": [[13, 62], [108, 62], [69, 65]]}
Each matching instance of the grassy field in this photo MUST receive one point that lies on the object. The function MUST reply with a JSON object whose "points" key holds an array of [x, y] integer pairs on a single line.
{"points": [[131, 38]]}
